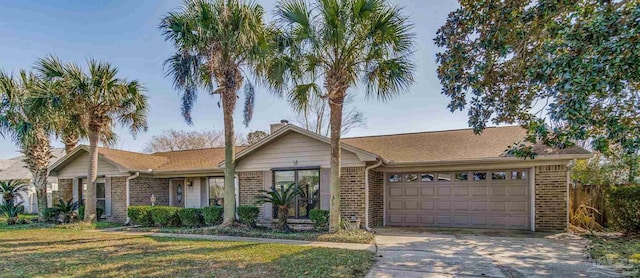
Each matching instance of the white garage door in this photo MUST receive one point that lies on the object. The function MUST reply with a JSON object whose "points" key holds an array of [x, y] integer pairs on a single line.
{"points": [[467, 199]]}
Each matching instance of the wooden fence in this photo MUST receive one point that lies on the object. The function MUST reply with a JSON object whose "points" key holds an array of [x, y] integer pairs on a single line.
{"points": [[592, 196]]}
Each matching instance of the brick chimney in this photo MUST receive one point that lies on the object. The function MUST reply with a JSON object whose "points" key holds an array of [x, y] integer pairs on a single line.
{"points": [[281, 124]]}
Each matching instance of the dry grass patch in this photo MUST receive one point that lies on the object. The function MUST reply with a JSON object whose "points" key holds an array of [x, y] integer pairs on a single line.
{"points": [[622, 253], [84, 253]]}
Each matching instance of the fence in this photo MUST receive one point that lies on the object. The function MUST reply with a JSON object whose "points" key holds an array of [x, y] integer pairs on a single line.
{"points": [[592, 196]]}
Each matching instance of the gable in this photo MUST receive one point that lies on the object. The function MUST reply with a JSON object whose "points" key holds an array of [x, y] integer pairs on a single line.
{"points": [[294, 150], [79, 166]]}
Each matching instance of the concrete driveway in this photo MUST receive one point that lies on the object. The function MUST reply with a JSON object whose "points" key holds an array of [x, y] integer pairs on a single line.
{"points": [[477, 255]]}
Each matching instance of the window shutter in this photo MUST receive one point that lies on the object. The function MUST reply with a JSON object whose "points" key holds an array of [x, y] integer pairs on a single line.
{"points": [[107, 197]]}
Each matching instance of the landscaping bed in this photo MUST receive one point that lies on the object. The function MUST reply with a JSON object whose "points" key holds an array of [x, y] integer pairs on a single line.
{"points": [[620, 252], [355, 236], [69, 252]]}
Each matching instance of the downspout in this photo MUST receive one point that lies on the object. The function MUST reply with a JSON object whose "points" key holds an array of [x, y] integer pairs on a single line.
{"points": [[137, 174], [570, 166], [366, 194], [236, 183]]}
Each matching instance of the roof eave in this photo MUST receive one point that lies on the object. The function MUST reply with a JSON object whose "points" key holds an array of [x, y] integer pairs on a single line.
{"points": [[560, 157]]}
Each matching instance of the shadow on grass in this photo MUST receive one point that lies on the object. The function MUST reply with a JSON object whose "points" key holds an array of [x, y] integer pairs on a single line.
{"points": [[51, 252]]}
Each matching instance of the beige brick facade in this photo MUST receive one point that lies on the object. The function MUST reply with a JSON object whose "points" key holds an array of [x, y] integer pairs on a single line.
{"points": [[376, 198], [65, 190], [118, 200], [250, 183], [551, 197], [352, 193]]}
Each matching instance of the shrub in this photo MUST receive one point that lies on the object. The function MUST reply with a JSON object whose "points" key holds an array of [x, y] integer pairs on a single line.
{"points": [[81, 212], [141, 215], [191, 217], [213, 215], [248, 215], [50, 215], [624, 208], [165, 216], [11, 211], [320, 218]]}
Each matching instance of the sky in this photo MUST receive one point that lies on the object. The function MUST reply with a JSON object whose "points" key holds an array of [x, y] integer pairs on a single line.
{"points": [[126, 34]]}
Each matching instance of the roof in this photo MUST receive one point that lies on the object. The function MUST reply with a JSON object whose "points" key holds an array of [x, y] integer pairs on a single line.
{"points": [[16, 169], [450, 145], [421, 147]]}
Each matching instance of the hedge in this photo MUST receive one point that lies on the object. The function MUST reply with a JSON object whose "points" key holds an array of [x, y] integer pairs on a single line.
{"points": [[623, 211], [248, 215], [140, 215], [320, 218], [213, 215], [191, 217], [165, 216]]}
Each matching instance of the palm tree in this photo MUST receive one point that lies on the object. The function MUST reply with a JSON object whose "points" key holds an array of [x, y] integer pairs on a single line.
{"points": [[282, 199], [26, 116], [217, 44], [337, 45], [99, 99], [11, 189]]}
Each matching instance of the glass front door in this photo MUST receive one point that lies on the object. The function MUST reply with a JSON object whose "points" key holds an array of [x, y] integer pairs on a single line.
{"points": [[309, 183]]}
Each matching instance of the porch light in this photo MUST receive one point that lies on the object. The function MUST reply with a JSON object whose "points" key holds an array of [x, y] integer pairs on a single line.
{"points": [[153, 199], [188, 182]]}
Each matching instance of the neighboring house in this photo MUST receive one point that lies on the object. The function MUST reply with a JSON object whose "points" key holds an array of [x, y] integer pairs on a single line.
{"points": [[16, 169], [434, 179]]}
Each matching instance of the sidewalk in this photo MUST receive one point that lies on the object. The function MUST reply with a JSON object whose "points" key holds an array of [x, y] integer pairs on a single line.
{"points": [[338, 245]]}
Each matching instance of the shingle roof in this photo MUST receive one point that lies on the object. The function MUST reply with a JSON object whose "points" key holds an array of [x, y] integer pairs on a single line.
{"points": [[15, 168], [450, 145], [192, 159]]}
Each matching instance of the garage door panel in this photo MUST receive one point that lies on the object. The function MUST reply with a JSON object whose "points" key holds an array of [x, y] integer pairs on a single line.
{"points": [[411, 204], [427, 191], [487, 203]]}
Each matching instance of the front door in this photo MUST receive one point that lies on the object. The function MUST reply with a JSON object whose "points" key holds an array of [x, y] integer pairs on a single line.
{"points": [[177, 193]]}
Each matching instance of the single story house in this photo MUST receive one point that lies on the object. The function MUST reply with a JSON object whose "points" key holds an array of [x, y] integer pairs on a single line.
{"points": [[15, 169], [434, 179]]}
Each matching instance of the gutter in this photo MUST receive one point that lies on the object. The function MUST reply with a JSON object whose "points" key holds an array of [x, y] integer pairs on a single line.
{"points": [[488, 160], [128, 183], [236, 183], [366, 194]]}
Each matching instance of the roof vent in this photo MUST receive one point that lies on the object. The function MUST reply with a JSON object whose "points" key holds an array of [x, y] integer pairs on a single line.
{"points": [[276, 126]]}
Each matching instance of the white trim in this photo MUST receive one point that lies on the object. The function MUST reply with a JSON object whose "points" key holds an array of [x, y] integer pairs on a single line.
{"points": [[236, 185], [532, 198], [128, 193], [366, 193], [384, 200]]}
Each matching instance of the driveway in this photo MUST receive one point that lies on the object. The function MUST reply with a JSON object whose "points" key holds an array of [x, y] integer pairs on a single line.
{"points": [[476, 255]]}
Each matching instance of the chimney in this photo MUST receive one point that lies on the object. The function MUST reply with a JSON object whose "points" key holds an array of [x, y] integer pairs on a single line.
{"points": [[281, 124]]}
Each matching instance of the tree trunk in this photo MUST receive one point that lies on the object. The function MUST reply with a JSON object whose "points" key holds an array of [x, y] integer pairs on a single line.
{"points": [[335, 105], [37, 157], [40, 183], [283, 214], [90, 205], [70, 143], [228, 106]]}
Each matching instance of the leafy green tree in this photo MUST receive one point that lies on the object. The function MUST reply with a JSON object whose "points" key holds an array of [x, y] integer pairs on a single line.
{"points": [[217, 44], [565, 70], [99, 99], [336, 45], [26, 117]]}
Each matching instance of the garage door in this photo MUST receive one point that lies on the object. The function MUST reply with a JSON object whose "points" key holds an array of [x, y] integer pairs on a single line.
{"points": [[469, 199]]}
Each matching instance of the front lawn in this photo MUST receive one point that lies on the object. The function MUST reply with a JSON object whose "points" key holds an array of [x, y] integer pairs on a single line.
{"points": [[355, 236], [80, 252], [622, 253]]}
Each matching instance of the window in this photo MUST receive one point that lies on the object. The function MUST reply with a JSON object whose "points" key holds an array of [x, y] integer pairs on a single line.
{"points": [[478, 176], [427, 177], [499, 175], [462, 176], [308, 181], [100, 198], [410, 177], [216, 191], [395, 178], [444, 177], [519, 175]]}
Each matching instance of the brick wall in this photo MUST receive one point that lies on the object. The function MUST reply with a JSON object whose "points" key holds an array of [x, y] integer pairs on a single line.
{"points": [[551, 197], [250, 183], [118, 200], [141, 189], [376, 199], [352, 193], [65, 190]]}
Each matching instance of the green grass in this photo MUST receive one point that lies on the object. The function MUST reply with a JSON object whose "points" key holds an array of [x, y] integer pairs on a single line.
{"points": [[76, 226], [356, 236], [65, 252], [622, 253]]}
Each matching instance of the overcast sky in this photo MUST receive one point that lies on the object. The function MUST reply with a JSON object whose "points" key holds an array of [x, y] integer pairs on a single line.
{"points": [[125, 33]]}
